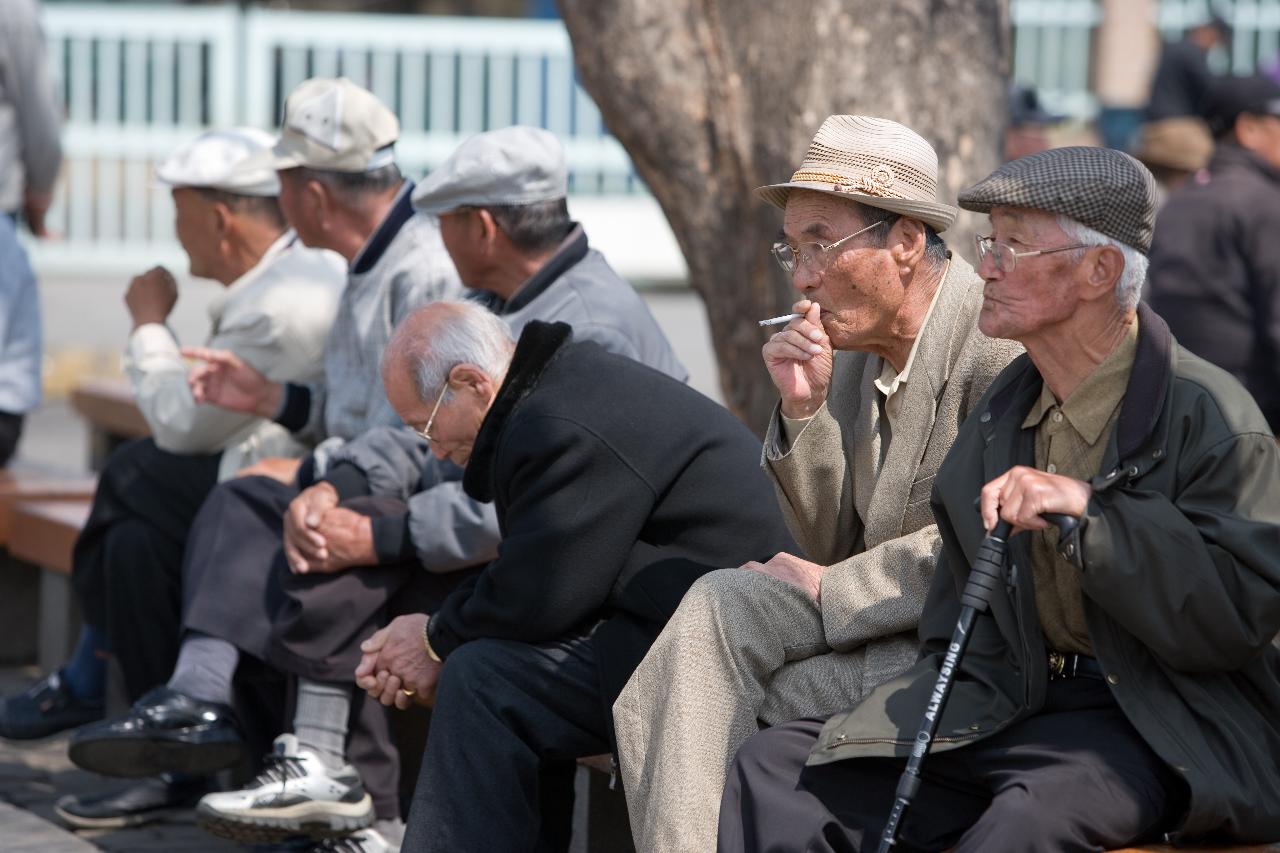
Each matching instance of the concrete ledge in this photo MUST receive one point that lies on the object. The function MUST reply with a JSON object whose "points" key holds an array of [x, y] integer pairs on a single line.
{"points": [[23, 832]]}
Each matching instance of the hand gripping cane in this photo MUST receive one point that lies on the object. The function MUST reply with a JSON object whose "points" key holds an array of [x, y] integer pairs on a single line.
{"points": [[987, 572]]}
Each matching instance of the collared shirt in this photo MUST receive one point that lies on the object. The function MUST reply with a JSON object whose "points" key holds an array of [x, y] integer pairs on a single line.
{"points": [[1071, 438], [890, 381]]}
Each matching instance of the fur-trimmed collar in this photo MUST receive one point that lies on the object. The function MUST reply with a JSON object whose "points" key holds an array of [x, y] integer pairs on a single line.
{"points": [[540, 343]]}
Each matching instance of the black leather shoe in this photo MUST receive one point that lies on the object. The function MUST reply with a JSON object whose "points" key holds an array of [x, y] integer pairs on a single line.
{"points": [[45, 708], [165, 732], [142, 802]]}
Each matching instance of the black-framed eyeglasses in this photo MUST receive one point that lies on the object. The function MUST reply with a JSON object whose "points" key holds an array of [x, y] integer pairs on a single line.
{"points": [[812, 257], [1004, 256]]}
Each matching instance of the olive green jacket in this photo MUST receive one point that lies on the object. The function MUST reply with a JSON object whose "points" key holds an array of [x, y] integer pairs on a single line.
{"points": [[1179, 555]]}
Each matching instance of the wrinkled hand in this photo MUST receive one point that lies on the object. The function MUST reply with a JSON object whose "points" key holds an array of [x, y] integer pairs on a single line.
{"points": [[793, 570], [348, 541], [1021, 494], [229, 381], [151, 296], [799, 359], [304, 544], [275, 467], [394, 660]]}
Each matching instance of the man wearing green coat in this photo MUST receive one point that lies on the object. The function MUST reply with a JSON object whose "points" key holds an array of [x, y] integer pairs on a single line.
{"points": [[1123, 685]]}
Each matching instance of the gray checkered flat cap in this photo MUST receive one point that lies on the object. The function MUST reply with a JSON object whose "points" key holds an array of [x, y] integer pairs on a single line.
{"points": [[1105, 189]]}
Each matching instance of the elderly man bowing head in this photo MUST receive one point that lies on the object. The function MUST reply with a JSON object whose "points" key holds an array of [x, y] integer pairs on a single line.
{"points": [[1124, 684], [615, 486]]}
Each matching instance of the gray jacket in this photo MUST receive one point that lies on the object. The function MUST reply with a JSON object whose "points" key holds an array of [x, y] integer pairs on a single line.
{"points": [[30, 154], [402, 266], [444, 529]]}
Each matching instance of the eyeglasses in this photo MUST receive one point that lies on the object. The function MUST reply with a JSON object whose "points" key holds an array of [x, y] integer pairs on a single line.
{"points": [[813, 257], [1006, 258], [425, 432]]}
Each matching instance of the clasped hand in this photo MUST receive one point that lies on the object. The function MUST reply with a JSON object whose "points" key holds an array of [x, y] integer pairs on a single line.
{"points": [[1022, 495], [320, 536], [395, 668]]}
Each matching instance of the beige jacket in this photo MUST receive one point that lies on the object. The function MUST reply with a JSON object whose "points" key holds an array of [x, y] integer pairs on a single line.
{"points": [[877, 535], [276, 317]]}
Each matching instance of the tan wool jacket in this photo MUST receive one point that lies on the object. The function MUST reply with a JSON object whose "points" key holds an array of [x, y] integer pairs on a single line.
{"points": [[878, 535]]}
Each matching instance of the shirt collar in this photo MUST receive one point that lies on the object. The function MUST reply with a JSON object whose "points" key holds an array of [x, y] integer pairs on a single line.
{"points": [[1091, 404], [889, 380]]}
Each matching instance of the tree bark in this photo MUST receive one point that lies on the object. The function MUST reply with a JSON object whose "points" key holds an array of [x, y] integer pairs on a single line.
{"points": [[713, 98]]}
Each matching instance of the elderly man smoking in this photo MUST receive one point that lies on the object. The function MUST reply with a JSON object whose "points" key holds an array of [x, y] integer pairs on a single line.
{"points": [[1124, 684]]}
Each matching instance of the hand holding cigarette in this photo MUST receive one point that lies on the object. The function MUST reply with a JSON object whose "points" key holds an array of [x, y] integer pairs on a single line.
{"points": [[799, 359]]}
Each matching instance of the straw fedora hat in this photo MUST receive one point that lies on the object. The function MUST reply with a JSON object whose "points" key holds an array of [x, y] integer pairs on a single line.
{"points": [[872, 161]]}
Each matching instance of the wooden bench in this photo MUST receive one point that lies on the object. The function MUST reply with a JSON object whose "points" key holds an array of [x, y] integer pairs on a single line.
{"points": [[43, 534], [107, 406], [21, 581]]}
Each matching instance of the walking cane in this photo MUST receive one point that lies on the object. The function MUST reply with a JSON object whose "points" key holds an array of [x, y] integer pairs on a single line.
{"points": [[988, 568]]}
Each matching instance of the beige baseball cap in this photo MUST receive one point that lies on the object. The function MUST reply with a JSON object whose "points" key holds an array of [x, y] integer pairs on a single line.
{"points": [[229, 160], [334, 124]]}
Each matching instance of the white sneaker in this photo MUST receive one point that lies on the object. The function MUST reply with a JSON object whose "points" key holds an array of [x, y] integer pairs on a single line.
{"points": [[295, 795], [364, 841]]}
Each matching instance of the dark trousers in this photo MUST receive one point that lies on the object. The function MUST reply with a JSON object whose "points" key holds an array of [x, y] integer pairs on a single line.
{"points": [[508, 718], [10, 432], [126, 565], [1075, 777], [237, 586]]}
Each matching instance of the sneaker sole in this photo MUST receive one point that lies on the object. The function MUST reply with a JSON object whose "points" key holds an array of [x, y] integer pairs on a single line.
{"points": [[76, 821], [316, 820], [132, 758]]}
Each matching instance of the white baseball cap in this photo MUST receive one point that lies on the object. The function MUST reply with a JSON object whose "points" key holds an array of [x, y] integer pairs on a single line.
{"points": [[514, 165], [335, 125], [228, 160]]}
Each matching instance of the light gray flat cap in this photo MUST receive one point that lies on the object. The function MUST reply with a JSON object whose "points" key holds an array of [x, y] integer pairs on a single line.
{"points": [[514, 165]]}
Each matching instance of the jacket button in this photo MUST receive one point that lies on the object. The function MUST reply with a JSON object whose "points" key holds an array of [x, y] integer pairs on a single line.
{"points": [[1133, 470], [986, 417], [1112, 678], [1159, 451]]}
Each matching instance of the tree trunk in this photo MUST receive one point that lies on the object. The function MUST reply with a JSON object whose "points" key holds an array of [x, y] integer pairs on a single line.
{"points": [[713, 98]]}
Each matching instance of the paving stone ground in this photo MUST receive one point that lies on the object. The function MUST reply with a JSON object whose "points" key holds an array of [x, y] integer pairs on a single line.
{"points": [[35, 774]]}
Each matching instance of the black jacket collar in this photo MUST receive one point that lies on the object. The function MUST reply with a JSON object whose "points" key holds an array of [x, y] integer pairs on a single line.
{"points": [[1144, 396], [540, 343], [1231, 156], [572, 250], [400, 213]]}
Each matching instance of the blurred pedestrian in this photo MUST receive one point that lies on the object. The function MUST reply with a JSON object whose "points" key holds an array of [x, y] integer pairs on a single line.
{"points": [[1029, 123], [1215, 262], [1174, 149], [30, 121], [1182, 77]]}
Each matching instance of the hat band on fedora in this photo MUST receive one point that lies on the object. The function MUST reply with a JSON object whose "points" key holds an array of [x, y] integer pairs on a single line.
{"points": [[878, 183]]}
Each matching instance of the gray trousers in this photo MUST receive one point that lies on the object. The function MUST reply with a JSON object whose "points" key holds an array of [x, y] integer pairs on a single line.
{"points": [[742, 649]]}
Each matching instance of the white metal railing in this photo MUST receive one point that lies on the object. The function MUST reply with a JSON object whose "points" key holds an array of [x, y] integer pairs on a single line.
{"points": [[140, 79]]}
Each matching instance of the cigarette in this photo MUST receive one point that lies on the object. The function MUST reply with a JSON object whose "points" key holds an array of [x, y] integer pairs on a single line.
{"points": [[785, 318]]}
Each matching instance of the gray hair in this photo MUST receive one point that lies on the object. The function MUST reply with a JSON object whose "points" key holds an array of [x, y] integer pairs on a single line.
{"points": [[354, 188], [470, 335], [1129, 287]]}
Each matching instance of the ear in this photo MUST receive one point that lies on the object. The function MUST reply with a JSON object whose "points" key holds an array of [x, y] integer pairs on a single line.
{"points": [[222, 217], [489, 229], [906, 242], [1247, 126], [464, 378], [315, 196], [1103, 273]]}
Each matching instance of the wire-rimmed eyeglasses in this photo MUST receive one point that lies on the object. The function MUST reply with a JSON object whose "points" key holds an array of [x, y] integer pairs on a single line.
{"points": [[425, 432], [1004, 256], [813, 256]]}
